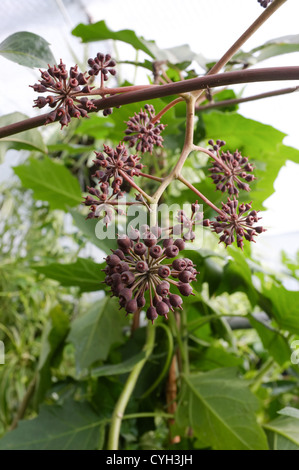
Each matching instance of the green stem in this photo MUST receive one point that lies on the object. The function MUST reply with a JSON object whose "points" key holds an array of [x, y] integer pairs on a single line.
{"points": [[118, 413], [258, 380], [149, 414], [184, 329]]}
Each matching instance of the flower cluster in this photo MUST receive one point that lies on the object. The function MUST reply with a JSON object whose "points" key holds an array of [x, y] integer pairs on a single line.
{"points": [[236, 224], [142, 132], [114, 165], [64, 87], [102, 64], [264, 3], [137, 267], [228, 170]]}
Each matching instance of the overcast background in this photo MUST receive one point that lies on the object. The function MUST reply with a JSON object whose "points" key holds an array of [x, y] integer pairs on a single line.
{"points": [[209, 27]]}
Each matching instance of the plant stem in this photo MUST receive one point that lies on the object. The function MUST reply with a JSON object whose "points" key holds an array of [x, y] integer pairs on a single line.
{"points": [[129, 386], [199, 194], [24, 404], [152, 177], [246, 35], [260, 96], [134, 185], [258, 380], [184, 330], [158, 91], [148, 414]]}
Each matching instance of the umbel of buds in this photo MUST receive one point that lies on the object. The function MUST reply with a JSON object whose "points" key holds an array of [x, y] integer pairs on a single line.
{"points": [[142, 264], [236, 224], [229, 169], [142, 132], [64, 87]]}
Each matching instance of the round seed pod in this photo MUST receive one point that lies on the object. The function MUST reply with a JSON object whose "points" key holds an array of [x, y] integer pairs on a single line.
{"points": [[141, 300], [164, 271], [151, 314], [112, 260], [119, 253], [185, 276], [141, 267], [108, 280], [163, 288], [171, 251], [131, 306], [155, 251], [167, 242], [180, 244], [167, 302], [149, 239], [124, 243], [189, 262], [175, 300], [162, 308], [139, 249], [117, 288], [126, 294], [123, 267], [116, 278], [134, 234], [179, 264], [185, 289], [127, 277]]}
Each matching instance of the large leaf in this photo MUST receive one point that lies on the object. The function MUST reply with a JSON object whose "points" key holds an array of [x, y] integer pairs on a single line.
{"points": [[118, 369], [84, 273], [72, 426], [99, 32], [94, 333], [219, 408], [27, 140], [54, 333], [50, 181], [272, 340], [283, 432], [284, 307], [27, 49]]}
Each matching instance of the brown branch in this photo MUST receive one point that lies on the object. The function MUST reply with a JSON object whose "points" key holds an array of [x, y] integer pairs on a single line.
{"points": [[159, 91], [260, 96], [24, 404]]}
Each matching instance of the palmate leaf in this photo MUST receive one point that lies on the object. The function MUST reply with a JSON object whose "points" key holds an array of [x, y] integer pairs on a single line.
{"points": [[50, 181], [284, 307], [84, 273], [27, 49], [71, 426], [220, 408], [93, 333]]}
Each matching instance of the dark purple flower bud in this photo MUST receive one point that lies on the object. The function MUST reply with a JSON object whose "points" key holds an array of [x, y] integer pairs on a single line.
{"points": [[141, 267], [175, 300], [151, 314], [180, 244], [163, 288], [164, 271], [140, 249], [131, 306], [112, 260], [185, 289], [127, 277], [162, 308], [155, 251], [171, 251], [179, 264], [126, 294]]}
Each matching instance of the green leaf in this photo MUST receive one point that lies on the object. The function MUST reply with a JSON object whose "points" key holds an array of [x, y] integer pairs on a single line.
{"points": [[50, 181], [84, 273], [273, 341], [98, 127], [94, 333], [220, 408], [118, 369], [27, 140], [215, 358], [27, 49], [284, 431], [99, 32], [54, 333], [88, 228], [71, 426], [284, 307], [277, 46], [289, 411]]}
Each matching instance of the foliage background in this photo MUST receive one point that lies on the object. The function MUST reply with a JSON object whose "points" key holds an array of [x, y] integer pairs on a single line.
{"points": [[68, 348]]}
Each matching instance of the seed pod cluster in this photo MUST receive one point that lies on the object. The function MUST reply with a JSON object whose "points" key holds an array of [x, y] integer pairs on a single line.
{"points": [[186, 225], [64, 87], [235, 224], [229, 170], [142, 264], [142, 132]]}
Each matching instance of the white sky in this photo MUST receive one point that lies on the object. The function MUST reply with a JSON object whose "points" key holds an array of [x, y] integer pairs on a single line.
{"points": [[208, 26]]}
